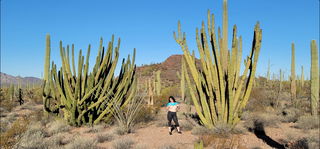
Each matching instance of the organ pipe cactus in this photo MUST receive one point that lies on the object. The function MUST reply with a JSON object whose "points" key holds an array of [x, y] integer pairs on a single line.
{"points": [[314, 77], [293, 76], [84, 97], [219, 93]]}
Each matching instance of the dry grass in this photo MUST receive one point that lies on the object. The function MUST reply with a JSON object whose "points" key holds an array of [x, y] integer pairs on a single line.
{"points": [[308, 122], [104, 137], [82, 143], [57, 127], [96, 128], [124, 143], [167, 147], [290, 114], [218, 142], [267, 119], [13, 134], [33, 137]]}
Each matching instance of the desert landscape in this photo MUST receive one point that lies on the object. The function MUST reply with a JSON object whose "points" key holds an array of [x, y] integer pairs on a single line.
{"points": [[108, 102]]}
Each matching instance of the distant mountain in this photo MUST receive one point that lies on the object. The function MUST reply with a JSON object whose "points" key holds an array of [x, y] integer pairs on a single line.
{"points": [[169, 69], [6, 79]]}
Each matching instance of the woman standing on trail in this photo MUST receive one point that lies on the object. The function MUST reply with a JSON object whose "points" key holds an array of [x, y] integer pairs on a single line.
{"points": [[172, 108]]}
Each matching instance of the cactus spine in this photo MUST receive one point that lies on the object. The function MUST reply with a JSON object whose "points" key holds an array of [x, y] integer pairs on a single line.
{"points": [[86, 97], [293, 76], [219, 93], [314, 77]]}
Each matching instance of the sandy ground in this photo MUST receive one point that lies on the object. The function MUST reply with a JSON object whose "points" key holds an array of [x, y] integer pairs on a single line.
{"points": [[151, 136]]}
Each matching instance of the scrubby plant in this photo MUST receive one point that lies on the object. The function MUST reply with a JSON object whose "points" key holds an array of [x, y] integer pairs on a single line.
{"points": [[85, 97], [82, 143], [124, 143], [308, 122], [126, 116], [219, 92], [103, 137]]}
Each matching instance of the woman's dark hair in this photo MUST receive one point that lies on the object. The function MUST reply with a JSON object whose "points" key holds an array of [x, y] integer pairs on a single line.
{"points": [[174, 100]]}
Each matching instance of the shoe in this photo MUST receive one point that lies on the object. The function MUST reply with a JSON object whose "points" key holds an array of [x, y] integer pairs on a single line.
{"points": [[170, 133], [179, 132]]}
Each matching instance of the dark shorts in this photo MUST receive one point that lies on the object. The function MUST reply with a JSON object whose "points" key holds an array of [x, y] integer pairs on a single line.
{"points": [[172, 116]]}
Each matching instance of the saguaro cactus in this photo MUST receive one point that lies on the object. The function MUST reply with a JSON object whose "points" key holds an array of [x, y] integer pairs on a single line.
{"points": [[219, 93], [158, 83], [182, 81], [314, 77], [302, 78], [83, 96], [293, 76]]}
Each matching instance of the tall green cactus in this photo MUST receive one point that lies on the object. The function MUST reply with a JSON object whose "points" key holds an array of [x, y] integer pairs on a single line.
{"points": [[11, 92], [158, 83], [219, 93], [182, 81], [293, 76], [302, 78], [314, 77], [87, 97]]}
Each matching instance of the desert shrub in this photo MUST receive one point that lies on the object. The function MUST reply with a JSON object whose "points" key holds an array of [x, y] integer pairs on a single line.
{"points": [[126, 116], [200, 130], [162, 123], [145, 115], [33, 137], [290, 114], [103, 137], [308, 122], [55, 141], [313, 139], [166, 146], [13, 134], [120, 131], [218, 142], [4, 124], [266, 119], [258, 100], [124, 143], [95, 128], [82, 143], [57, 127], [186, 125]]}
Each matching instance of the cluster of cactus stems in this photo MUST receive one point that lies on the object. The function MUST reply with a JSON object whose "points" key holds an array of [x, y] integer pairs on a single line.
{"points": [[219, 93], [182, 81], [153, 86], [293, 76], [83, 97], [314, 77]]}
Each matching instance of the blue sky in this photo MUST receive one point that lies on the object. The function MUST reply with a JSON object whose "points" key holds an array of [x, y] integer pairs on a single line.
{"points": [[148, 26]]}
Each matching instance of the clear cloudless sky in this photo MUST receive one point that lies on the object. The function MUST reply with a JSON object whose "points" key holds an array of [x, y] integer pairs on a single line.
{"points": [[148, 26]]}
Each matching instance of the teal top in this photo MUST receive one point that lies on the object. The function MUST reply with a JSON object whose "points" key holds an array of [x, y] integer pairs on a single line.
{"points": [[172, 104]]}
